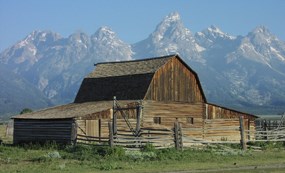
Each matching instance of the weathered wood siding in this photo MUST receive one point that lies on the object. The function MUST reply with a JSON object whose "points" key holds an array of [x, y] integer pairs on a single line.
{"points": [[221, 130], [174, 82], [218, 112], [172, 112], [60, 131], [223, 124], [97, 124]]}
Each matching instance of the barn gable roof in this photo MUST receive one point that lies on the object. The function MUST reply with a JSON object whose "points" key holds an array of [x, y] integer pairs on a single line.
{"points": [[128, 80], [122, 68]]}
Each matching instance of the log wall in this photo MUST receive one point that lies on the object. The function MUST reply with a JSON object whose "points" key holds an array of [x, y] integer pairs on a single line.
{"points": [[60, 131]]}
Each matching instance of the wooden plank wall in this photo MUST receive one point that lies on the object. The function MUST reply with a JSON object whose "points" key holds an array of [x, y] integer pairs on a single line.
{"points": [[223, 124], [217, 112], [171, 112], [97, 124], [26, 131], [174, 82], [222, 129]]}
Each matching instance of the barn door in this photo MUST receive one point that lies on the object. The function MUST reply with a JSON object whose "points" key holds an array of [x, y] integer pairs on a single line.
{"points": [[92, 128]]}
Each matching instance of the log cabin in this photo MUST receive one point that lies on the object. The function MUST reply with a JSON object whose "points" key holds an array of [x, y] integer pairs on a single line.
{"points": [[154, 92]]}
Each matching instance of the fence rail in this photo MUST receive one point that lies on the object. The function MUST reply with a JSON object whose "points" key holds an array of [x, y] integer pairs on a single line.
{"points": [[84, 139], [178, 137], [159, 138]]}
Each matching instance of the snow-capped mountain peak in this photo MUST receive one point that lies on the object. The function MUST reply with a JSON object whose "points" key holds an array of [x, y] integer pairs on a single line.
{"points": [[172, 17], [262, 36], [215, 32], [233, 70], [170, 26], [261, 29], [109, 46]]}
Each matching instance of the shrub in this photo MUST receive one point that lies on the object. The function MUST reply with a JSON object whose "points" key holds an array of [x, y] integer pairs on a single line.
{"points": [[148, 148]]}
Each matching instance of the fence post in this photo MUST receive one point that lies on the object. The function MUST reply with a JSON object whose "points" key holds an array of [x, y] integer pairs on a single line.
{"points": [[180, 136], [111, 136], [139, 112], [114, 116], [242, 134], [248, 128], [265, 128], [177, 136]]}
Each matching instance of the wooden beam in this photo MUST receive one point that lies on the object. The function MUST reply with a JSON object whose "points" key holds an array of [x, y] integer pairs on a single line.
{"points": [[111, 137], [242, 133]]}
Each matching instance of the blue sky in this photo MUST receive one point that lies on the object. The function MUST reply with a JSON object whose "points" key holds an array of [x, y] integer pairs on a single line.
{"points": [[134, 20]]}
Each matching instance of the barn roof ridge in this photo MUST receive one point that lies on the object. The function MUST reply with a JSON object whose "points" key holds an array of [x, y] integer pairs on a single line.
{"points": [[124, 68], [138, 60]]}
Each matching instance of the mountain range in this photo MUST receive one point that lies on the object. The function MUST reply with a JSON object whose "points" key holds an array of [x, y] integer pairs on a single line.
{"points": [[242, 72]]}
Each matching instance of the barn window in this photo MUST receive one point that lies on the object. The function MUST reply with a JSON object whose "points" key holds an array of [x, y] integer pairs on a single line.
{"points": [[157, 120], [190, 120]]}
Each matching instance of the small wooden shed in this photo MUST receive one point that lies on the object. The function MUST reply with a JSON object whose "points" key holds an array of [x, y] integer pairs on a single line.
{"points": [[153, 92]]}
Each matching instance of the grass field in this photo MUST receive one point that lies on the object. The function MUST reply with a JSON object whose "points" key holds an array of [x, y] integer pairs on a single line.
{"points": [[85, 159], [6, 139], [51, 158]]}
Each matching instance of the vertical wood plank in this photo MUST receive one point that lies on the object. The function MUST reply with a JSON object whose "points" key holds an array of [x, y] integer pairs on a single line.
{"points": [[176, 135], [248, 128], [111, 136], [242, 134], [114, 116]]}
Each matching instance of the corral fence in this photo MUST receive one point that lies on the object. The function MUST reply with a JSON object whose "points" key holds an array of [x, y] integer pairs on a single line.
{"points": [[269, 129], [157, 137], [237, 133], [9, 128], [179, 137]]}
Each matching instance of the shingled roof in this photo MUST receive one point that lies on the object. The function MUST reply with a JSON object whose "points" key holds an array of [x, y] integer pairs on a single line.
{"points": [[128, 80], [73, 110], [123, 68]]}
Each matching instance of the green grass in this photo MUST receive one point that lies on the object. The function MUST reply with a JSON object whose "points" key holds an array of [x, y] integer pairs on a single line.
{"points": [[83, 159], [3, 137]]}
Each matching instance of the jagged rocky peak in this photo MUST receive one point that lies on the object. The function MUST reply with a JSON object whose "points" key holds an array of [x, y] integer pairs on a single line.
{"points": [[106, 44], [261, 35], [172, 17], [79, 38], [42, 36], [261, 29], [104, 33], [36, 37], [213, 32], [170, 27], [27, 49]]}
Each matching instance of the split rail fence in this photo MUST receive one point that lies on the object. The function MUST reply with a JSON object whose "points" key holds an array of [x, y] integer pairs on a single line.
{"points": [[158, 138], [178, 137]]}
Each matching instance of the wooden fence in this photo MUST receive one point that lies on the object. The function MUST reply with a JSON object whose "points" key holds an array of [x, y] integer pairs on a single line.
{"points": [[241, 135], [157, 137], [178, 137], [84, 139]]}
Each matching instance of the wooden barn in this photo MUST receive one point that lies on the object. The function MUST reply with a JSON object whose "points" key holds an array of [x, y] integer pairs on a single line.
{"points": [[151, 93]]}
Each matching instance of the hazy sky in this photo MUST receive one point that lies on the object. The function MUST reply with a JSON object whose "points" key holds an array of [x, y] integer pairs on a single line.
{"points": [[134, 20]]}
